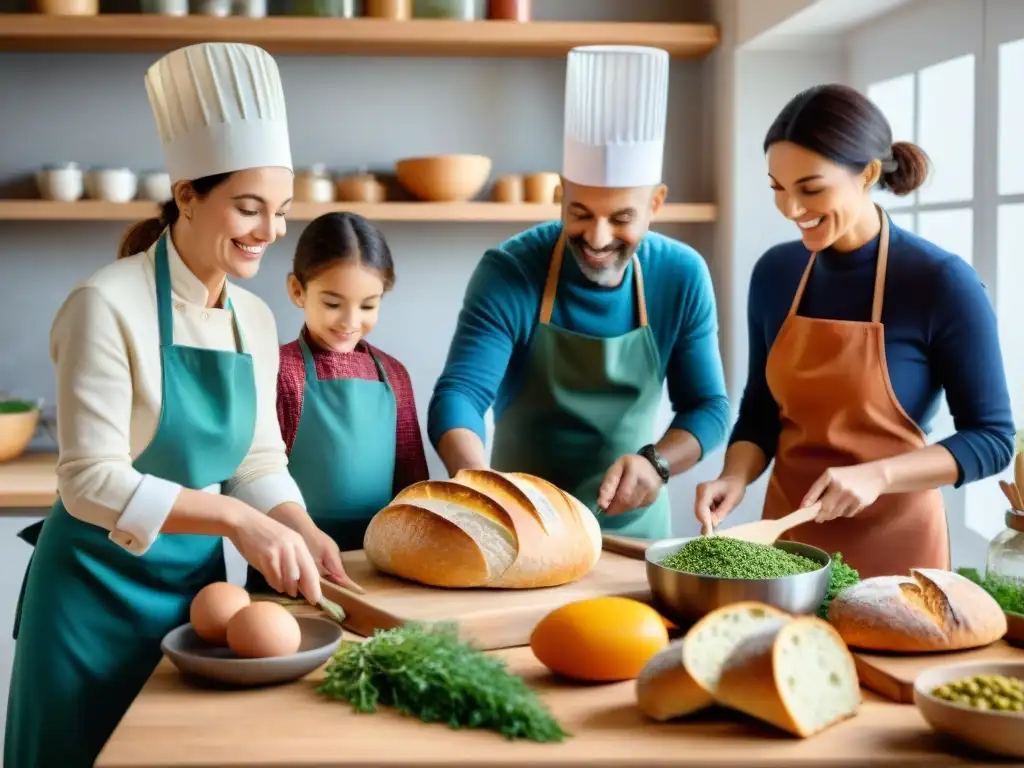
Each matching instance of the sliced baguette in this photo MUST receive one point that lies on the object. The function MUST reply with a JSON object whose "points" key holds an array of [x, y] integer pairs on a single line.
{"points": [[930, 610], [682, 678], [797, 675]]}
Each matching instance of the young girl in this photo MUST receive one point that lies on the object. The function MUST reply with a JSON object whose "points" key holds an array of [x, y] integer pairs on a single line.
{"points": [[346, 409]]}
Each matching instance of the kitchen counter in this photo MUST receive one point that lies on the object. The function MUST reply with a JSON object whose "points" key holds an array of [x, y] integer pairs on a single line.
{"points": [[28, 481], [173, 725]]}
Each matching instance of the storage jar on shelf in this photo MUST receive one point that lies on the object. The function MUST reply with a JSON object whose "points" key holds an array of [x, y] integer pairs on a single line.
{"points": [[395, 10], [338, 9], [509, 10], [1006, 551], [463, 10]]}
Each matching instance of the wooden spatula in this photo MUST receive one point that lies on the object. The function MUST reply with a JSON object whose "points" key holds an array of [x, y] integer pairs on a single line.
{"points": [[768, 531]]}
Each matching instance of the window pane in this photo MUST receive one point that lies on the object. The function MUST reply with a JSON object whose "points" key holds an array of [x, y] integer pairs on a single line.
{"points": [[945, 129], [904, 220], [1011, 118], [1009, 278], [895, 97], [952, 230]]}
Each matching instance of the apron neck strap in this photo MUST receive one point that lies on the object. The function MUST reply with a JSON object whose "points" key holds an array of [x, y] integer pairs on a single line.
{"points": [[165, 318], [310, 364], [547, 303], [880, 266]]}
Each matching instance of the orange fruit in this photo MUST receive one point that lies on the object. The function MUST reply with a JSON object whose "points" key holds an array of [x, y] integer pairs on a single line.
{"points": [[603, 639]]}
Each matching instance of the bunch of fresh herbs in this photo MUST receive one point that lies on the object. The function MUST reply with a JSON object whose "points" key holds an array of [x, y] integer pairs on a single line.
{"points": [[431, 674], [1006, 592], [841, 577]]}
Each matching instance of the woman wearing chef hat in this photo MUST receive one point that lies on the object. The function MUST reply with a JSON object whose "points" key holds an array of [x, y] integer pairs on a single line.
{"points": [[855, 330], [169, 439]]}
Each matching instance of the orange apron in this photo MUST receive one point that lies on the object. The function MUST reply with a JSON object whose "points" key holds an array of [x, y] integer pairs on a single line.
{"points": [[838, 408]]}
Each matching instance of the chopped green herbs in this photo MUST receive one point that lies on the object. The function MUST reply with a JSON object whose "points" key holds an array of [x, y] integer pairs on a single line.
{"points": [[841, 577], [430, 674], [736, 559]]}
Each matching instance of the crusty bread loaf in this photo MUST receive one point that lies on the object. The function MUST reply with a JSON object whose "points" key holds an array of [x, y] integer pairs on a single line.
{"points": [[930, 610], [682, 678], [795, 674], [484, 528]]}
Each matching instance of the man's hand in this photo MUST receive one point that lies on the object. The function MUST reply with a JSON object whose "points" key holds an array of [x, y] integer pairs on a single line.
{"points": [[631, 482]]}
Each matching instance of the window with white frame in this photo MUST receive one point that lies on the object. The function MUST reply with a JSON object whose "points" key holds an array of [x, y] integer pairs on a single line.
{"points": [[917, 106]]}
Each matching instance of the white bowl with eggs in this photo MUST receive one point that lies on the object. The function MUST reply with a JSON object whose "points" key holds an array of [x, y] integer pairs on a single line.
{"points": [[232, 639], [1000, 732]]}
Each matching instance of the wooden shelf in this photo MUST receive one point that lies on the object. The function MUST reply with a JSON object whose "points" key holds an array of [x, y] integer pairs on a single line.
{"points": [[28, 481], [93, 210], [133, 33]]}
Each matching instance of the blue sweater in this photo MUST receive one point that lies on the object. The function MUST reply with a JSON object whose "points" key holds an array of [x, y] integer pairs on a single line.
{"points": [[489, 350], [940, 333]]}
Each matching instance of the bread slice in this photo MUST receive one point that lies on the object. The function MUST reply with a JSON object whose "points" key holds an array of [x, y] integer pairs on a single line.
{"points": [[930, 610], [682, 678], [485, 528], [797, 675]]}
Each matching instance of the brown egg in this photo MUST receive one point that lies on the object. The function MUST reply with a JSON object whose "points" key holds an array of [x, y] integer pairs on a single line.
{"points": [[263, 629], [212, 609]]}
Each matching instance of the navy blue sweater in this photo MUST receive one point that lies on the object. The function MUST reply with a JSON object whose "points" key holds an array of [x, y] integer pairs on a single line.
{"points": [[940, 333]]}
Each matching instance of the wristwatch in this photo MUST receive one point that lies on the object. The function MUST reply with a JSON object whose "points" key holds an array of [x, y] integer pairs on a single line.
{"points": [[650, 453]]}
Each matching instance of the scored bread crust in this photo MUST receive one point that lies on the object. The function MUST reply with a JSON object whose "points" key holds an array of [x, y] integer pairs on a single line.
{"points": [[930, 610], [755, 679], [499, 530]]}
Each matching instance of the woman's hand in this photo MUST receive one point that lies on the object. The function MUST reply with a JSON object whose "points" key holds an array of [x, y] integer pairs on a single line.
{"points": [[279, 553], [327, 556], [716, 499], [846, 491]]}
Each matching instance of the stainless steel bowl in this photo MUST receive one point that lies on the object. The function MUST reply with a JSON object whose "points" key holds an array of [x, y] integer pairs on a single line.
{"points": [[686, 597]]}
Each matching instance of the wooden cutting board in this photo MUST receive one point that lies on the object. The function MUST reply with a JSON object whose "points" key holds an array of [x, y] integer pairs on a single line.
{"points": [[490, 618], [893, 675]]}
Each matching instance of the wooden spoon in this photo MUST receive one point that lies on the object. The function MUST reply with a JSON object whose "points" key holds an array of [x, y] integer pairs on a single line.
{"points": [[1018, 473], [1010, 491], [760, 532], [768, 531]]}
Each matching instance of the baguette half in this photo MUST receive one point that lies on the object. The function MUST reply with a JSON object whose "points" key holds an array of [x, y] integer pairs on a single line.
{"points": [[930, 610], [683, 677], [797, 675]]}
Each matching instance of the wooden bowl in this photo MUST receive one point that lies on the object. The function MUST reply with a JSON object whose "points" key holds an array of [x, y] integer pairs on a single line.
{"points": [[997, 732], [16, 431], [444, 178]]}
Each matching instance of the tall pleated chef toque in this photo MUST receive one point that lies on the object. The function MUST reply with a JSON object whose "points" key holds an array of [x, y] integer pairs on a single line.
{"points": [[219, 107], [616, 99]]}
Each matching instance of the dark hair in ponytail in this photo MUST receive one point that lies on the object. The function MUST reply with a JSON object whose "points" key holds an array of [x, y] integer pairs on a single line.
{"points": [[840, 123], [141, 235], [342, 237]]}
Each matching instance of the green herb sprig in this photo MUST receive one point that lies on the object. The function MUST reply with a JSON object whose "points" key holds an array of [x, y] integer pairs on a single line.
{"points": [[431, 674], [1006, 592], [841, 577]]}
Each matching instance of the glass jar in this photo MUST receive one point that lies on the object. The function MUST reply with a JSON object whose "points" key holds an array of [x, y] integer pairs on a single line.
{"points": [[1006, 552]]}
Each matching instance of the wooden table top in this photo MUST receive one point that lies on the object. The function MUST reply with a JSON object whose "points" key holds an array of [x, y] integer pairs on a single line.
{"points": [[29, 481], [175, 725]]}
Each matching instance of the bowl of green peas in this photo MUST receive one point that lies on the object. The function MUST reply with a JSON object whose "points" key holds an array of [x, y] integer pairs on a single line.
{"points": [[980, 704]]}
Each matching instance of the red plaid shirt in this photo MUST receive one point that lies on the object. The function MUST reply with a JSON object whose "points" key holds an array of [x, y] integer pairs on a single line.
{"points": [[410, 459]]}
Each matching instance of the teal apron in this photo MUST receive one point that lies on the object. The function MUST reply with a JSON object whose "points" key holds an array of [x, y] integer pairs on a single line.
{"points": [[585, 402], [91, 615], [343, 456]]}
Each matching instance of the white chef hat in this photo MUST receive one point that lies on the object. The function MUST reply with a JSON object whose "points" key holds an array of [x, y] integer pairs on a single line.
{"points": [[219, 107], [616, 99]]}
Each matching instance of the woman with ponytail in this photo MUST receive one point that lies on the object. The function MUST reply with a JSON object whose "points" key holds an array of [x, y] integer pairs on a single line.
{"points": [[855, 331], [166, 418]]}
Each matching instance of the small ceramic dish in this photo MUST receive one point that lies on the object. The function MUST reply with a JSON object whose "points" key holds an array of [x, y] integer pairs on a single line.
{"points": [[194, 656], [994, 731]]}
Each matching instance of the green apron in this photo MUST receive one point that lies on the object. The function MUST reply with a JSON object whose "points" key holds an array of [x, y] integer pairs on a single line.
{"points": [[91, 615], [584, 403], [343, 456]]}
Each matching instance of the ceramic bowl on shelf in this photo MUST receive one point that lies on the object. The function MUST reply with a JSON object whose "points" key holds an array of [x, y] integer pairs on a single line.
{"points": [[63, 182], [113, 185], [687, 597], [362, 187], [993, 731], [18, 422], [444, 178], [155, 186], [195, 657]]}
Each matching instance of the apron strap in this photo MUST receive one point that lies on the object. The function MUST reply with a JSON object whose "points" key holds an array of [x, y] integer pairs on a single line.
{"points": [[883, 261], [307, 360], [165, 318], [547, 303], [380, 367]]}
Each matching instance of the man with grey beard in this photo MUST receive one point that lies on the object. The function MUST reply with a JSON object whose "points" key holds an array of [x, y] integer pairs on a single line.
{"points": [[573, 354]]}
